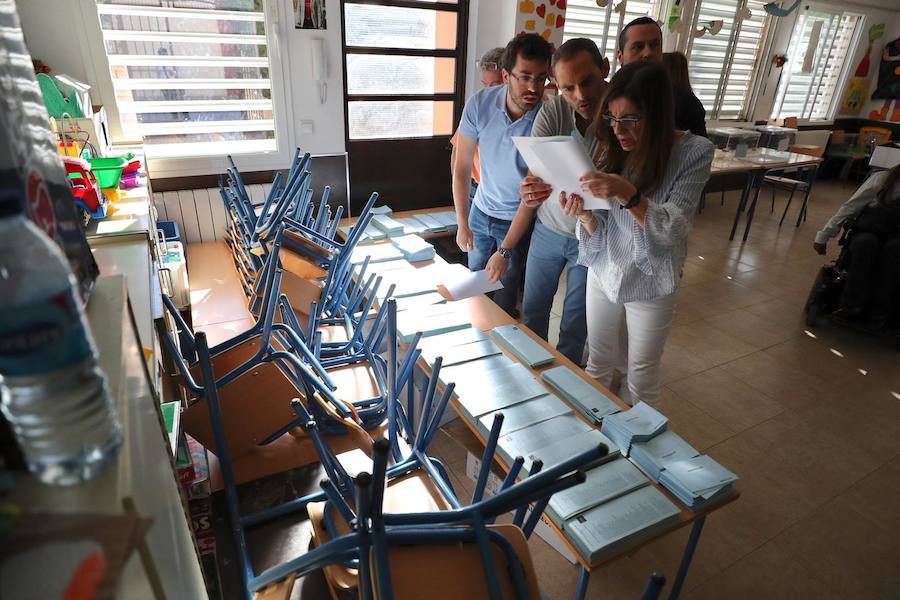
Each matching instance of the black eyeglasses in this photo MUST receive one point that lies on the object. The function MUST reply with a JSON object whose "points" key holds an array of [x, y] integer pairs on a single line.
{"points": [[627, 123], [529, 79]]}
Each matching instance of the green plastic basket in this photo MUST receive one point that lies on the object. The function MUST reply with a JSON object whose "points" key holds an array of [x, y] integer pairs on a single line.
{"points": [[108, 171]]}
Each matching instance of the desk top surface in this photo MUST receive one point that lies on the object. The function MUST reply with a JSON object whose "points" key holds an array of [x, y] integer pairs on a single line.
{"points": [[761, 159]]}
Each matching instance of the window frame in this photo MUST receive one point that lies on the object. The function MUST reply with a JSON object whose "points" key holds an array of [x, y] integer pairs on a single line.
{"points": [[460, 7], [841, 82], [93, 48]]}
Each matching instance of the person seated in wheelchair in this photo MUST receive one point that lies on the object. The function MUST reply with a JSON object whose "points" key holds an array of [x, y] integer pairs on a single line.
{"points": [[873, 266]]}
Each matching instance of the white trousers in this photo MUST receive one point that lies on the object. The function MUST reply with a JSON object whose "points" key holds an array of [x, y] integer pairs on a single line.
{"points": [[647, 324]]}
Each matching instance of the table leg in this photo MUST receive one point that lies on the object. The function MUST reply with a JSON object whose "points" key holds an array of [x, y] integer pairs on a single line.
{"points": [[740, 207], [583, 579], [757, 183], [696, 530]]}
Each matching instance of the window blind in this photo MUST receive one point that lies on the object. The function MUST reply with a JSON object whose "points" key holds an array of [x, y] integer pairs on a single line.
{"points": [[602, 24]]}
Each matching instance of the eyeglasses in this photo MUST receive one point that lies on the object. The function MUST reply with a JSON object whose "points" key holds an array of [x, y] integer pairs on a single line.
{"points": [[529, 79], [626, 123]]}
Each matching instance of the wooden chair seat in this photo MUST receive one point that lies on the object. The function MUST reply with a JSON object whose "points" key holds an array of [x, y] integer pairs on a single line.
{"points": [[412, 493], [455, 570]]}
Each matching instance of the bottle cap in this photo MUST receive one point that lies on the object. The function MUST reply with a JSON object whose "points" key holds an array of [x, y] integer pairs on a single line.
{"points": [[10, 203]]}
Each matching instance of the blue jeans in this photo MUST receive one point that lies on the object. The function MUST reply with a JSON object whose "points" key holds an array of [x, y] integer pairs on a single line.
{"points": [[487, 234], [548, 255]]}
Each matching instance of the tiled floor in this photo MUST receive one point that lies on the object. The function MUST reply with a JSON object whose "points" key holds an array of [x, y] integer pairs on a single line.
{"points": [[809, 419]]}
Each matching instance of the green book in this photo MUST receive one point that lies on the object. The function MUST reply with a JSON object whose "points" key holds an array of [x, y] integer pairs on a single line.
{"points": [[171, 412]]}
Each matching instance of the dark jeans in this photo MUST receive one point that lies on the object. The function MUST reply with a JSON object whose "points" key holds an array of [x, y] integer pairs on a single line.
{"points": [[873, 279]]}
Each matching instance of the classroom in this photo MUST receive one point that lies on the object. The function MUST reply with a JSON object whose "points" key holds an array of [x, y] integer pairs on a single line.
{"points": [[449, 299]]}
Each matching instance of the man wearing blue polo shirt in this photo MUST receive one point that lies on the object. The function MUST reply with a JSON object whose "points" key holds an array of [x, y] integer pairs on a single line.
{"points": [[491, 118]]}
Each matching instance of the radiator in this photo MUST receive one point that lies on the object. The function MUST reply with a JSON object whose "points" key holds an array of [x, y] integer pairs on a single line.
{"points": [[200, 213]]}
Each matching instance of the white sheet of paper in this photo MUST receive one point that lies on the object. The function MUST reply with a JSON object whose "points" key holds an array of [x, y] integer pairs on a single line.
{"points": [[560, 161], [470, 284]]}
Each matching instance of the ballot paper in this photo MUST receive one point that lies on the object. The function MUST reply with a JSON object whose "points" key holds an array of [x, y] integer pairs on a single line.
{"points": [[468, 284], [604, 483], [560, 161]]}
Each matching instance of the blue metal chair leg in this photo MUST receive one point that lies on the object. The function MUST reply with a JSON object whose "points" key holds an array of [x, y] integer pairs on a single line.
{"points": [[581, 590], [686, 558]]}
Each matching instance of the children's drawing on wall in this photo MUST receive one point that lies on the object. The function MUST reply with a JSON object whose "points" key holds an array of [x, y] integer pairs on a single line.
{"points": [[309, 14], [888, 88], [858, 86]]}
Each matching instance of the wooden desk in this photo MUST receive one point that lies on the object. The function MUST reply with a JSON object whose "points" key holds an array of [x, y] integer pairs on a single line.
{"points": [[755, 170], [405, 214], [486, 315]]}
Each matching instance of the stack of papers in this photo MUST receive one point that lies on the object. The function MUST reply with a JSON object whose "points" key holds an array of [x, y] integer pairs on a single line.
{"points": [[522, 345], [604, 483], [373, 233], [447, 219], [430, 320], [524, 414], [565, 449], [698, 482], [482, 388], [413, 247], [382, 210], [437, 343], [639, 424], [654, 455], [419, 301], [455, 355], [431, 224], [622, 523], [531, 441], [586, 398], [388, 225], [376, 253], [412, 225]]}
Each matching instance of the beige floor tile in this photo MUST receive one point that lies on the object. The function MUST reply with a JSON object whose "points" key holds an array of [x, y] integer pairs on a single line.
{"points": [[769, 572], [748, 327], [727, 399], [697, 347], [842, 548], [876, 497]]}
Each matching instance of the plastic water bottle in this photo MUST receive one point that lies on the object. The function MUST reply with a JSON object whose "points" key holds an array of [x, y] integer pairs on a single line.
{"points": [[51, 390]]}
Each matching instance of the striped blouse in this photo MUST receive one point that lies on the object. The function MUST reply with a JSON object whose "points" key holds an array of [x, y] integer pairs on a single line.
{"points": [[634, 263]]}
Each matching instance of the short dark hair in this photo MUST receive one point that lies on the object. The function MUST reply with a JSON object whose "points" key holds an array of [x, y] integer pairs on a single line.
{"points": [[530, 46], [576, 46], [635, 23]]}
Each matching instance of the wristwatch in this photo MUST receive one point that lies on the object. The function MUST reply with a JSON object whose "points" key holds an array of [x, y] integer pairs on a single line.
{"points": [[633, 201], [504, 252]]}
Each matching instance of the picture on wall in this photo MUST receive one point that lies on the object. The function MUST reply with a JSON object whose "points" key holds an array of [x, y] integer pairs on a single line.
{"points": [[309, 14]]}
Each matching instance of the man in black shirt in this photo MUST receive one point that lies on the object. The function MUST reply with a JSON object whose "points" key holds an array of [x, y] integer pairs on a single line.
{"points": [[641, 39]]}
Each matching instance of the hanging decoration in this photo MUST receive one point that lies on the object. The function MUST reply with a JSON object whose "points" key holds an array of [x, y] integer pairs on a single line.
{"points": [[711, 27], [674, 16], [858, 87], [545, 18], [621, 7], [744, 14], [777, 11], [602, 3]]}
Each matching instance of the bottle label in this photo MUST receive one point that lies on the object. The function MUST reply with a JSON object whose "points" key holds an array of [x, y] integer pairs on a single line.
{"points": [[43, 336]]}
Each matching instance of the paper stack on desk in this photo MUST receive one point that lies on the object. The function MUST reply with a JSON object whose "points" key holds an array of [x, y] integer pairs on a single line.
{"points": [[639, 424], [552, 441], [388, 225], [654, 455], [419, 301], [482, 388], [604, 483], [614, 526], [524, 414], [586, 398], [455, 355], [698, 482], [430, 320], [446, 218], [563, 449], [375, 253], [413, 247], [412, 225], [522, 345], [430, 223]]}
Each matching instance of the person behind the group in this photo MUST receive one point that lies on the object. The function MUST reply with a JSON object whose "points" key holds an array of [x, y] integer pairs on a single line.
{"points": [[641, 39], [689, 111], [635, 251], [490, 75], [872, 288], [490, 119], [580, 71]]}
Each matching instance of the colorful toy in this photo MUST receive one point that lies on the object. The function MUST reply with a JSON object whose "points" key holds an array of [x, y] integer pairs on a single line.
{"points": [[85, 188]]}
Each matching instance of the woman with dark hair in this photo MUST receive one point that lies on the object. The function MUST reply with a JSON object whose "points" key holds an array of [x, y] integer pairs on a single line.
{"points": [[689, 112], [654, 175], [873, 275]]}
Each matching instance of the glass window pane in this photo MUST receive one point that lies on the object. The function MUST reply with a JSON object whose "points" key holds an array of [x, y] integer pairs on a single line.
{"points": [[406, 119], [371, 74], [395, 27]]}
